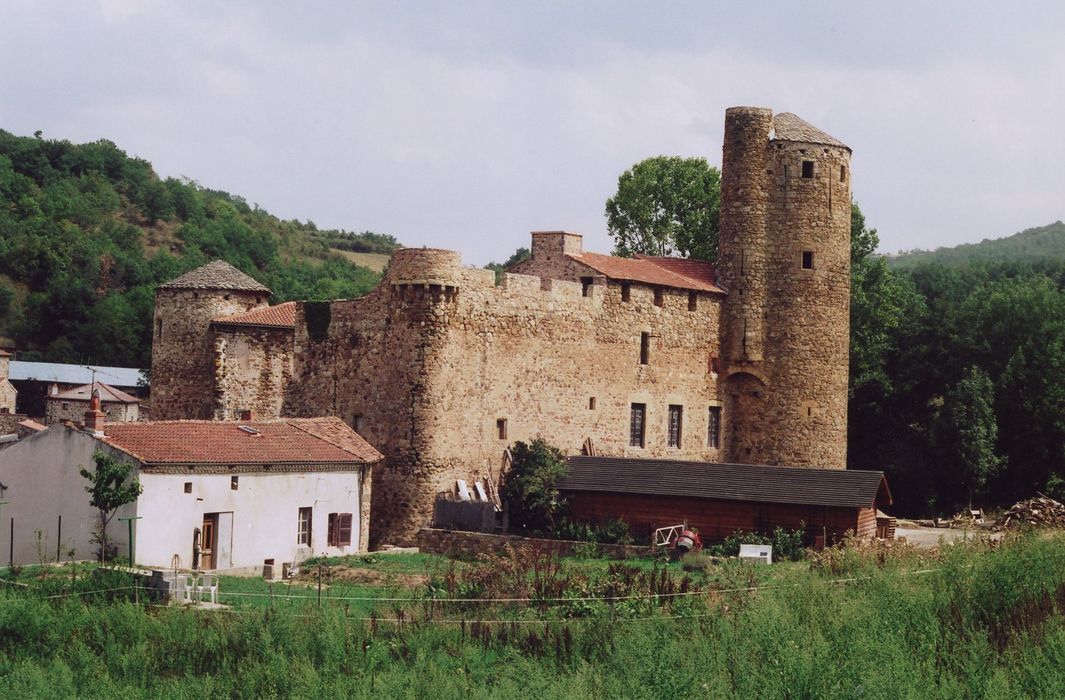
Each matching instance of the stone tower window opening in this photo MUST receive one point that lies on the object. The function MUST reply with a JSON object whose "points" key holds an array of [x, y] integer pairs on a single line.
{"points": [[637, 423], [626, 292], [501, 428], [693, 301], [807, 260], [659, 296], [713, 427], [843, 173], [807, 169], [591, 403], [645, 348], [676, 415], [586, 286], [159, 329]]}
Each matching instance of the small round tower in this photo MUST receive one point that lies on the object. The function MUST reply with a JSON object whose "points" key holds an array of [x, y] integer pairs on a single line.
{"points": [[785, 261], [183, 360]]}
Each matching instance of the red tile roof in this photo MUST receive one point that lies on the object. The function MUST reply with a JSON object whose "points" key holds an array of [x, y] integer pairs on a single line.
{"points": [[665, 272], [279, 316], [108, 394], [283, 441]]}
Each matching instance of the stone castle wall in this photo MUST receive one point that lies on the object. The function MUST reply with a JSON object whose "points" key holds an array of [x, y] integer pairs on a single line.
{"points": [[253, 366], [443, 377], [183, 358]]}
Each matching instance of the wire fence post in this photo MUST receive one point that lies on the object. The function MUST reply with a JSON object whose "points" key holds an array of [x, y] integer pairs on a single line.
{"points": [[319, 585]]}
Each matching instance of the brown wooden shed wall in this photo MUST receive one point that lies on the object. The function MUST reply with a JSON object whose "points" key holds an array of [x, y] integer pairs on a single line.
{"points": [[717, 519]]}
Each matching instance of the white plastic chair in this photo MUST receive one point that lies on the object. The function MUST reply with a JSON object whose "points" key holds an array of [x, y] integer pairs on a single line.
{"points": [[207, 585], [182, 590]]}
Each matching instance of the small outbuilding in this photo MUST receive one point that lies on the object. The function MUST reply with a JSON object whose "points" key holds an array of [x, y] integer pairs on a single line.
{"points": [[220, 496], [721, 499], [117, 405]]}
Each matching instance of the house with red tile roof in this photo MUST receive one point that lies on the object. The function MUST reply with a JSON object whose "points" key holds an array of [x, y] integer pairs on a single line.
{"points": [[217, 495]]}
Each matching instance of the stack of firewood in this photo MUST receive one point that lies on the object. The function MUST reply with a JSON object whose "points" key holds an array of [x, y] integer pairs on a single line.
{"points": [[1038, 511]]}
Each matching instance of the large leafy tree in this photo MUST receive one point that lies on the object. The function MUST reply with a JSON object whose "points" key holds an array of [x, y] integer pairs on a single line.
{"points": [[528, 487], [110, 487], [666, 205]]}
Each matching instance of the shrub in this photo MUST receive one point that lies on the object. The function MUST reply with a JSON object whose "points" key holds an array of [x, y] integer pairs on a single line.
{"points": [[528, 488], [787, 544]]}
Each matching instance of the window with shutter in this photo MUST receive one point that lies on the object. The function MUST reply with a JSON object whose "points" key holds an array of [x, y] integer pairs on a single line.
{"points": [[344, 530]]}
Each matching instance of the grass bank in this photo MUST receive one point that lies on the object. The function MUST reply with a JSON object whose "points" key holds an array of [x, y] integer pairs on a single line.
{"points": [[974, 621]]}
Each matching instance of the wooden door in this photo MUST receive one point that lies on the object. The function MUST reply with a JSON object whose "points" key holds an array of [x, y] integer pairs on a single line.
{"points": [[208, 541]]}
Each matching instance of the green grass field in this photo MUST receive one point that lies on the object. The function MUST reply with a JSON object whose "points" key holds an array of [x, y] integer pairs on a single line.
{"points": [[973, 621]]}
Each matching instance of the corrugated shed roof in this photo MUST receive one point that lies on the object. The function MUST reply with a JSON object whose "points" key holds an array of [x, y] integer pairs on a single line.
{"points": [[286, 440], [731, 482], [217, 274], [108, 394], [789, 127], [72, 374], [279, 316], [665, 272]]}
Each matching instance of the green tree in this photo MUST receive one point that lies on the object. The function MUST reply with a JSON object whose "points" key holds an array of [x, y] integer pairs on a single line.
{"points": [[528, 489], [666, 205], [520, 254], [110, 487], [967, 432]]}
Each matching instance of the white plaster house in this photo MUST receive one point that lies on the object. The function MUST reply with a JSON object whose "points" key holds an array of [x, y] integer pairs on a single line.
{"points": [[221, 496]]}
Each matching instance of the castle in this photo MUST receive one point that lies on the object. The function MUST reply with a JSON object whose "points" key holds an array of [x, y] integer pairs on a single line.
{"points": [[441, 368]]}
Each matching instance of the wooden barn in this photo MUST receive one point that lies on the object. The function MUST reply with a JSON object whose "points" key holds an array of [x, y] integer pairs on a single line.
{"points": [[721, 499]]}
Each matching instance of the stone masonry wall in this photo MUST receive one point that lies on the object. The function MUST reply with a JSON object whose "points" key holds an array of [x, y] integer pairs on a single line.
{"points": [[59, 411], [8, 393], [183, 358], [253, 366], [785, 328], [429, 365]]}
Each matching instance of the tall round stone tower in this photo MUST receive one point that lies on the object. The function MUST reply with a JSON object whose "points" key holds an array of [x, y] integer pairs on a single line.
{"points": [[784, 258], [183, 356]]}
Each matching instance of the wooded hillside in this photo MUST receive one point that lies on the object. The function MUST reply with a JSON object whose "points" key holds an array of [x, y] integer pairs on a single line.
{"points": [[87, 232], [1029, 246]]}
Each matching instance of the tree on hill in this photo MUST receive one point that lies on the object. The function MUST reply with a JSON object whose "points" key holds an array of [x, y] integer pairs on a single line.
{"points": [[666, 206], [87, 233]]}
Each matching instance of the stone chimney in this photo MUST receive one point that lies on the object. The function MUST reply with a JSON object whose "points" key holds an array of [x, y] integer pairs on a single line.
{"points": [[551, 245], [5, 357], [94, 417]]}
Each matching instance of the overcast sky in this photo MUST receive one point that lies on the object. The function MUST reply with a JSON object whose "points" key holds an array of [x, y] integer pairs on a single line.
{"points": [[466, 125]]}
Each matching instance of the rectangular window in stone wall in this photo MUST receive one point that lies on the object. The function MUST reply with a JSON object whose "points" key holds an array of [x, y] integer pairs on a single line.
{"points": [[626, 292], [807, 260], [693, 301], [303, 527], [586, 286], [659, 296], [713, 429], [645, 348], [676, 414], [807, 169], [636, 424], [501, 428]]}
